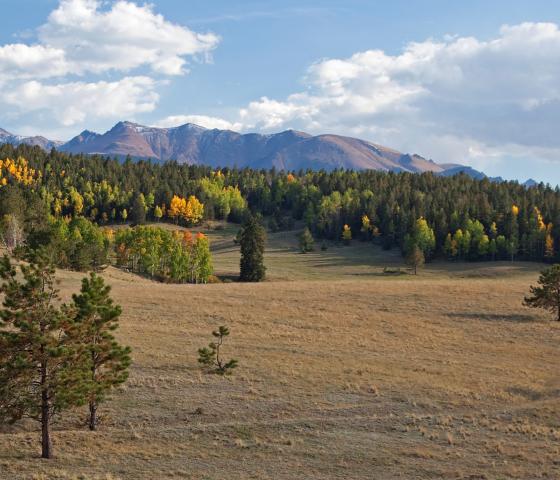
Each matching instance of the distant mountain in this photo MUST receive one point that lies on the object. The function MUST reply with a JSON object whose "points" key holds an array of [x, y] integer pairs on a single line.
{"points": [[288, 150], [451, 169], [530, 183], [44, 143]]}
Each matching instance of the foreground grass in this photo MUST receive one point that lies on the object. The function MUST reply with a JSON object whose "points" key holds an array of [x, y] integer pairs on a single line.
{"points": [[343, 374]]}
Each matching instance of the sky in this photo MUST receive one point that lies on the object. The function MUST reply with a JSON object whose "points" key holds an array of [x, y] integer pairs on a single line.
{"points": [[476, 83]]}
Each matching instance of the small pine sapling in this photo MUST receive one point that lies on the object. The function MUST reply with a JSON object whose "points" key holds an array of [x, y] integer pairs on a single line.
{"points": [[210, 356]]}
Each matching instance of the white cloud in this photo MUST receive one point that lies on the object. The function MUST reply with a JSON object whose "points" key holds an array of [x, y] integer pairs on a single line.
{"points": [[451, 99], [58, 77], [201, 120], [123, 37], [32, 61], [81, 37], [79, 102]]}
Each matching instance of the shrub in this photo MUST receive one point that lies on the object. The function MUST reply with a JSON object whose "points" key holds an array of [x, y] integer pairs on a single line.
{"points": [[210, 356]]}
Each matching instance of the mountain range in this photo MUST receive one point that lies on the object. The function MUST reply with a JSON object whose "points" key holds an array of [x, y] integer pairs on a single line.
{"points": [[288, 150], [45, 143]]}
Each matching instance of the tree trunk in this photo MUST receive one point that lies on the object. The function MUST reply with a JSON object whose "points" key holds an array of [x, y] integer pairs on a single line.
{"points": [[46, 446], [92, 415], [92, 401]]}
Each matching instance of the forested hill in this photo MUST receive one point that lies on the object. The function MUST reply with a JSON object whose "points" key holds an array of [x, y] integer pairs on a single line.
{"points": [[451, 217]]}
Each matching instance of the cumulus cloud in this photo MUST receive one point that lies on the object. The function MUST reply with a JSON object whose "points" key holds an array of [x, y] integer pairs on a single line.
{"points": [[83, 39], [452, 99], [201, 120], [78, 102], [124, 37], [32, 61]]}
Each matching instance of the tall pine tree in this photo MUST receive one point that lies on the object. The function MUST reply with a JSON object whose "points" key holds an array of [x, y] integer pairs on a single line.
{"points": [[41, 373], [253, 238], [96, 318]]}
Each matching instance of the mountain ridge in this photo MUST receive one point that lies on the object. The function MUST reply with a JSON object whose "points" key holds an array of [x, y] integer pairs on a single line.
{"points": [[38, 140], [286, 150]]}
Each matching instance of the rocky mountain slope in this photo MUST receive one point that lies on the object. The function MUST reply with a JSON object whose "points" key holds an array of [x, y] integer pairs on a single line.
{"points": [[7, 137], [288, 150]]}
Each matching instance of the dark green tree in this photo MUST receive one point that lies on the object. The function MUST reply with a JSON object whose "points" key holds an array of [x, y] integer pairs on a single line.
{"points": [[210, 356], [547, 294], [138, 210], [95, 320], [306, 242], [253, 237], [41, 373]]}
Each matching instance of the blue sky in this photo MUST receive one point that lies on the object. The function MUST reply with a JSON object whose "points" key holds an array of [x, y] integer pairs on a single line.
{"points": [[443, 79]]}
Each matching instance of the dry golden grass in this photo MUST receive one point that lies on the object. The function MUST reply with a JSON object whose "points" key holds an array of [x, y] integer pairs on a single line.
{"points": [[362, 377]]}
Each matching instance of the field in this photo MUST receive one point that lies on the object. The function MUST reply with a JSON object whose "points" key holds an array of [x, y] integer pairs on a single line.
{"points": [[345, 372]]}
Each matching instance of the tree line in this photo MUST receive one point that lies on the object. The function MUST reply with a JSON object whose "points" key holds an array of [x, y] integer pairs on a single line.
{"points": [[466, 218]]}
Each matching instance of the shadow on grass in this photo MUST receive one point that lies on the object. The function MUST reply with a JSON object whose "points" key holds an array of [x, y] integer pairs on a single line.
{"points": [[496, 317], [531, 394]]}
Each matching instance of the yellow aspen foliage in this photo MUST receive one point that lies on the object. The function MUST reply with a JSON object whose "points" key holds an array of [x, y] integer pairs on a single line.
{"points": [[366, 224], [290, 178], [77, 201], [17, 171], [515, 210], [549, 246], [193, 210], [57, 207], [176, 207], [108, 234], [540, 223]]}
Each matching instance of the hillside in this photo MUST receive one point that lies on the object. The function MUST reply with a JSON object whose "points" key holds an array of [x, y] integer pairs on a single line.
{"points": [[352, 375]]}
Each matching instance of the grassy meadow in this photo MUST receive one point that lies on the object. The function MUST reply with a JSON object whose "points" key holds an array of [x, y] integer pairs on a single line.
{"points": [[345, 373]]}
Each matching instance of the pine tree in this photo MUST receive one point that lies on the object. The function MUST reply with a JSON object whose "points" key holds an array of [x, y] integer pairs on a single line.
{"points": [[306, 242], [547, 295], [210, 356], [96, 318], [138, 211], [415, 258], [41, 373], [253, 237]]}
